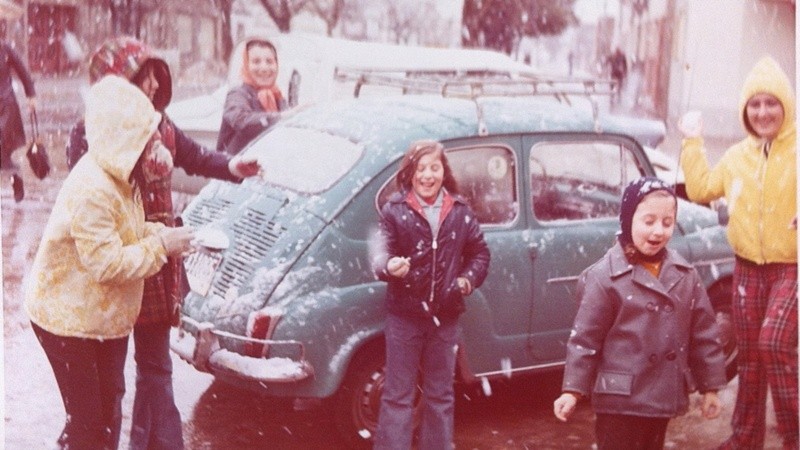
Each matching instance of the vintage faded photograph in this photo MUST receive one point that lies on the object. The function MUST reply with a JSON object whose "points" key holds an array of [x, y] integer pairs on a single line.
{"points": [[399, 224]]}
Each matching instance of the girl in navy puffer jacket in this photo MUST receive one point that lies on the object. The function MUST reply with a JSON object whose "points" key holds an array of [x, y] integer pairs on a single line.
{"points": [[435, 255]]}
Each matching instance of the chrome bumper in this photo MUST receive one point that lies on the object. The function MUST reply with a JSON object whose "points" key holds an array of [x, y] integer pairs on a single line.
{"points": [[202, 350]]}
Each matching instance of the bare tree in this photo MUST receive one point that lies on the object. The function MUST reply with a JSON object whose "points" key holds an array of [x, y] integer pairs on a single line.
{"points": [[225, 7], [500, 24], [330, 11], [401, 21], [126, 16], [282, 11]]}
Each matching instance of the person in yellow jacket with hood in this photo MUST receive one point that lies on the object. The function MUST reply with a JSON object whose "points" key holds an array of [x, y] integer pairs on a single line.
{"points": [[758, 178], [84, 290]]}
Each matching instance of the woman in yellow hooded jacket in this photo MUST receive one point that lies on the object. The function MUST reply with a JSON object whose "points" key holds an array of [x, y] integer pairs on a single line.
{"points": [[84, 290], [758, 178]]}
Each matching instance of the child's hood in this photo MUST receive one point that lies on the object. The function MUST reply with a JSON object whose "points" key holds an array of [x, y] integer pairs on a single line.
{"points": [[120, 120]]}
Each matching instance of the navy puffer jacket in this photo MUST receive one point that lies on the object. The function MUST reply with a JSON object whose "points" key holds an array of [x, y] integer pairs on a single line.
{"points": [[458, 250]]}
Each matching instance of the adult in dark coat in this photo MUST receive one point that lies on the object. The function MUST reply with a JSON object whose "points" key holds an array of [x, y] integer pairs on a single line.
{"points": [[12, 133], [256, 104]]}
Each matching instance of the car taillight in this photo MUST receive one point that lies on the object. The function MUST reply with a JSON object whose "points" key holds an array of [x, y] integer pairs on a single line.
{"points": [[260, 325]]}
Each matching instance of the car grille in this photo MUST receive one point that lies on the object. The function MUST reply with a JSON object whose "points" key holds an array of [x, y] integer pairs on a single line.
{"points": [[209, 210], [253, 237]]}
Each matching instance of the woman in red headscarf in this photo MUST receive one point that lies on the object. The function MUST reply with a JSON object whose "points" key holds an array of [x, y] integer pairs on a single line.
{"points": [[257, 103]]}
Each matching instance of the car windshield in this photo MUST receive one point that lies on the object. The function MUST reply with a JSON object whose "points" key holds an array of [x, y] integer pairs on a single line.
{"points": [[304, 160]]}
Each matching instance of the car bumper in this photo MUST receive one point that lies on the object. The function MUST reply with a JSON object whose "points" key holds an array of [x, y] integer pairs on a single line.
{"points": [[198, 344]]}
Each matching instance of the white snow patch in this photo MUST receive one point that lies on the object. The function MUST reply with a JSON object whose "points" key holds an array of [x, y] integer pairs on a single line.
{"points": [[258, 368]]}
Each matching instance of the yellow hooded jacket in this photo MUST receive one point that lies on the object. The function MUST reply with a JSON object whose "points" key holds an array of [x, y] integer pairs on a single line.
{"points": [[88, 273], [760, 189]]}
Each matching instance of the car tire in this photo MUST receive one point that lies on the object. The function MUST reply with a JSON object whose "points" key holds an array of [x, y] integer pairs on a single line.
{"points": [[721, 296], [358, 401]]}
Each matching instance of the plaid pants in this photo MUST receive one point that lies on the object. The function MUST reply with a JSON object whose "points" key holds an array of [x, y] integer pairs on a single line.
{"points": [[765, 315]]}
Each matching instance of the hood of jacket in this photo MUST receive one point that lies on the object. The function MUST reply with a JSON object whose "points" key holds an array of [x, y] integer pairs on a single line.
{"points": [[768, 77], [119, 120]]}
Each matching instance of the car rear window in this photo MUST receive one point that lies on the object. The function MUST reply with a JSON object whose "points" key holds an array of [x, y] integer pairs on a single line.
{"points": [[304, 160]]}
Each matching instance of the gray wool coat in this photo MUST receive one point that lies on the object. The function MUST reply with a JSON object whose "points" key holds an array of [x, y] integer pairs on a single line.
{"points": [[639, 344]]}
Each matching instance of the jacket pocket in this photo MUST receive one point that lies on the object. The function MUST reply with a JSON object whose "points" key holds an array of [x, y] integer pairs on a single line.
{"points": [[614, 383]]}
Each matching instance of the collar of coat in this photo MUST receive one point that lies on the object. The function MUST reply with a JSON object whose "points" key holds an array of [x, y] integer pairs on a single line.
{"points": [[673, 270], [447, 204]]}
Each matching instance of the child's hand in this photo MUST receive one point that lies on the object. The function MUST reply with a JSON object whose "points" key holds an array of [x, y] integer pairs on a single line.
{"points": [[464, 286], [712, 406], [691, 124], [564, 406], [398, 266]]}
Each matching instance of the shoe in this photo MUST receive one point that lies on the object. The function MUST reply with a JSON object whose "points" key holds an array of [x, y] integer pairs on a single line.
{"points": [[18, 186]]}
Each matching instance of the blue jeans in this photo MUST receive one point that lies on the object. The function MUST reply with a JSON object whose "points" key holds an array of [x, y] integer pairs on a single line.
{"points": [[91, 377], [155, 422], [418, 350]]}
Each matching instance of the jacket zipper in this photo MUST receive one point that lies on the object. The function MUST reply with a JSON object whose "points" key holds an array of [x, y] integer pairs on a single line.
{"points": [[761, 180], [427, 305]]}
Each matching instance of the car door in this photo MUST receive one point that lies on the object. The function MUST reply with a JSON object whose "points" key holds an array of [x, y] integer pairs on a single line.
{"points": [[573, 186], [495, 326]]}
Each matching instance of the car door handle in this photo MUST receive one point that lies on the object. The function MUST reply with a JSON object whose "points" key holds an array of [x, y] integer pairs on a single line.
{"points": [[533, 250]]}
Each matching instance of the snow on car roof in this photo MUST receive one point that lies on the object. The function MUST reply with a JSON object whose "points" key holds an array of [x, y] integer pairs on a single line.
{"points": [[348, 54]]}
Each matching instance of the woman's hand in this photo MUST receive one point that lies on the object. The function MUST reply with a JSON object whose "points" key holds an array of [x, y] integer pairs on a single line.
{"points": [[564, 406], [177, 241], [712, 406], [244, 166], [398, 266]]}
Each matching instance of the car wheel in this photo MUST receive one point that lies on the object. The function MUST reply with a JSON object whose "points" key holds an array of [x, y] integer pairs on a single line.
{"points": [[358, 400], [721, 297]]}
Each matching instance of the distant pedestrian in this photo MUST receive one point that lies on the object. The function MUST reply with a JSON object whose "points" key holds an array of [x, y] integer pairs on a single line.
{"points": [[758, 178], [12, 132], [85, 286], [435, 256], [256, 104], [645, 335], [618, 64]]}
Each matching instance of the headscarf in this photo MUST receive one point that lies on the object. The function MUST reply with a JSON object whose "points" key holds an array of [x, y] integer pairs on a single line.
{"points": [[633, 195], [269, 96]]}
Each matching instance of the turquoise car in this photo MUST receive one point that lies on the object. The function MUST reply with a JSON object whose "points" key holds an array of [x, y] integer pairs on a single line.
{"points": [[283, 299]]}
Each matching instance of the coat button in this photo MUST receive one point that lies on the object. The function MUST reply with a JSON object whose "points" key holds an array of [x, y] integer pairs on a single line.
{"points": [[669, 308], [651, 306], [671, 356], [653, 358]]}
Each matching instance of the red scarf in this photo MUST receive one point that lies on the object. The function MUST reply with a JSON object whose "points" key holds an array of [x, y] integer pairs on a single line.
{"points": [[269, 96]]}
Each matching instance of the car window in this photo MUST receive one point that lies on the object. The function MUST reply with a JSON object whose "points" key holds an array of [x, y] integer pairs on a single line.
{"points": [[304, 160], [579, 180], [486, 179]]}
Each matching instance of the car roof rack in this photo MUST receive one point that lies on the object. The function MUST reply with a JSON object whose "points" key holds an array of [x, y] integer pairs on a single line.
{"points": [[477, 84]]}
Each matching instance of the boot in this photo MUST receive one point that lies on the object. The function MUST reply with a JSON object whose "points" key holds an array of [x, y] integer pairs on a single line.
{"points": [[18, 186]]}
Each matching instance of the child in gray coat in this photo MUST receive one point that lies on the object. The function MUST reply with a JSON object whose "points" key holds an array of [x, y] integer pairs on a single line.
{"points": [[645, 334]]}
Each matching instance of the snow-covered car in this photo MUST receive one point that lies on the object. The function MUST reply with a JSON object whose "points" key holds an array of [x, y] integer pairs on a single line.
{"points": [[317, 69], [283, 298]]}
